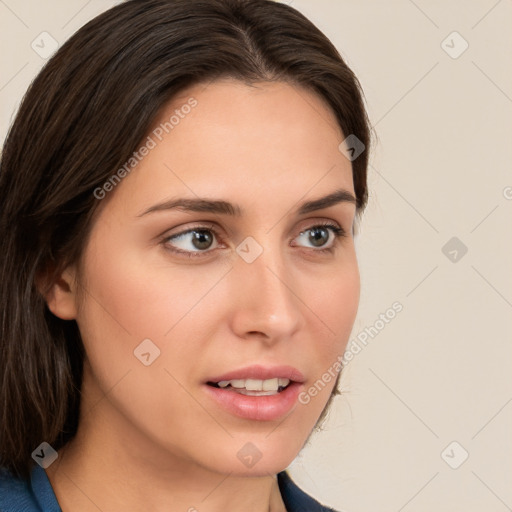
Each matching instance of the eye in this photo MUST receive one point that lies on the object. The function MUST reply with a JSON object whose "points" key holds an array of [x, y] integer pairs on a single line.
{"points": [[321, 236], [192, 242], [199, 240]]}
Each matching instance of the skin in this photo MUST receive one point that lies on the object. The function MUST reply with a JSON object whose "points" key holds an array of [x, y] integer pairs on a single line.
{"points": [[149, 437]]}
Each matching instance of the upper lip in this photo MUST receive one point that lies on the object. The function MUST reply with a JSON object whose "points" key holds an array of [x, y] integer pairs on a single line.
{"points": [[261, 372]]}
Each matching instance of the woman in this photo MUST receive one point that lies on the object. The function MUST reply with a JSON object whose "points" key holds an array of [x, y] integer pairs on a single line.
{"points": [[179, 278]]}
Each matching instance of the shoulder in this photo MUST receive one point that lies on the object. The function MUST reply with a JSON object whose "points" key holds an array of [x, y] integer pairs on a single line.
{"points": [[15, 494], [295, 499], [34, 495]]}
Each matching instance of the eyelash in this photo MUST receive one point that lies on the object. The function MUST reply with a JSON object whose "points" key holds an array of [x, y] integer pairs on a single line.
{"points": [[338, 232]]}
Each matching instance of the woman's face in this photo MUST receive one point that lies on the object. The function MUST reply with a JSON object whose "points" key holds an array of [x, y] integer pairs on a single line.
{"points": [[204, 266]]}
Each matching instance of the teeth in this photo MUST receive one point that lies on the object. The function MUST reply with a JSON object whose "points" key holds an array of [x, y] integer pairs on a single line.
{"points": [[270, 384], [255, 384], [284, 382]]}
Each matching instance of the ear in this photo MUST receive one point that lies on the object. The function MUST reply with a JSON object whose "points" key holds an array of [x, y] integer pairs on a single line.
{"points": [[61, 296]]}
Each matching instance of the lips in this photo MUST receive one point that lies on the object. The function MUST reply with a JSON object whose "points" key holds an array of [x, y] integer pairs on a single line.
{"points": [[257, 392]]}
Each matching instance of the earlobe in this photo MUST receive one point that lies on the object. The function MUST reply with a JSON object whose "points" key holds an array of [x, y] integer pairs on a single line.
{"points": [[61, 296]]}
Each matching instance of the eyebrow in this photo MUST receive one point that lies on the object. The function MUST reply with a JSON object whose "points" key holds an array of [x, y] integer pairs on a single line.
{"points": [[226, 208]]}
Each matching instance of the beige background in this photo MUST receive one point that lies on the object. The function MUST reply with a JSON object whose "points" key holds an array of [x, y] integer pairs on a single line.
{"points": [[440, 370]]}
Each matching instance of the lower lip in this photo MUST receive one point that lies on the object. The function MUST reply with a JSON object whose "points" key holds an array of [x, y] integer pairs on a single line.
{"points": [[261, 408]]}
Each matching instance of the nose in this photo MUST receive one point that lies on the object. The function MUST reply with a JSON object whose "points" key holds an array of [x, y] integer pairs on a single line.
{"points": [[266, 304]]}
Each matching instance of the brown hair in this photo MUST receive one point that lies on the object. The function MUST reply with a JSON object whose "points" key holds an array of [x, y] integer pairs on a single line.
{"points": [[80, 120]]}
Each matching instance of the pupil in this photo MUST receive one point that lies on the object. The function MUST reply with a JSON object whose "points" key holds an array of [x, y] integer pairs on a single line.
{"points": [[202, 239], [319, 235]]}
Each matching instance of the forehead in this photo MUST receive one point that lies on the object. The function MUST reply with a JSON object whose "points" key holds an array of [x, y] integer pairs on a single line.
{"points": [[274, 113], [265, 140]]}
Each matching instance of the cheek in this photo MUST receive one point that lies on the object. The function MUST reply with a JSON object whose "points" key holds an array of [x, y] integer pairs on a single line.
{"points": [[130, 298], [139, 297], [127, 301], [336, 302]]}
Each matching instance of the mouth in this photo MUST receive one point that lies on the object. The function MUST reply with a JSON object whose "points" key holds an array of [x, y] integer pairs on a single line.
{"points": [[253, 387], [257, 392]]}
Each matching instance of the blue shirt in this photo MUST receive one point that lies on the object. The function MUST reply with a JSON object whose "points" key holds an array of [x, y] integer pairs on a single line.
{"points": [[37, 495]]}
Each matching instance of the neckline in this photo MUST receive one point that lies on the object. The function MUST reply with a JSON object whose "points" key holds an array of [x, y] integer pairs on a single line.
{"points": [[47, 500]]}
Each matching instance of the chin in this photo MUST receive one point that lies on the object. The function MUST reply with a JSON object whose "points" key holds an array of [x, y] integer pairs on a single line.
{"points": [[256, 455]]}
